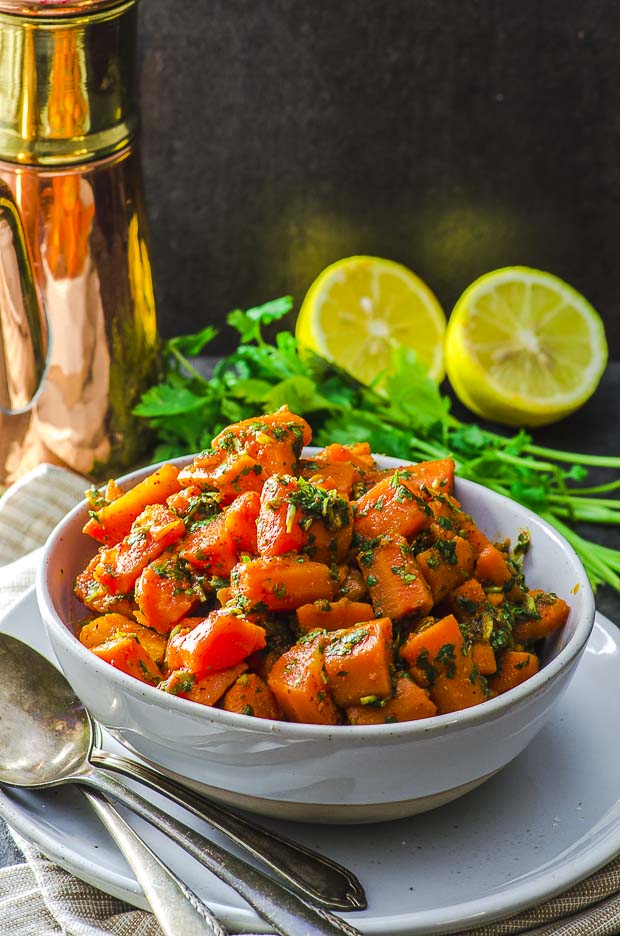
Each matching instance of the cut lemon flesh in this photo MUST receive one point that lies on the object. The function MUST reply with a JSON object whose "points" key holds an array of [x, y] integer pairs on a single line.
{"points": [[356, 310], [524, 348]]}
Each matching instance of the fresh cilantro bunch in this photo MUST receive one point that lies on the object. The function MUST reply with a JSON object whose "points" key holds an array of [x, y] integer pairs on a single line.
{"points": [[403, 414]]}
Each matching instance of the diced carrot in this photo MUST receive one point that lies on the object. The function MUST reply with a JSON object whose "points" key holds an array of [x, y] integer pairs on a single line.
{"points": [[425, 645], [210, 548], [357, 454], [340, 475], [409, 703], [492, 567], [230, 475], [273, 441], [127, 654], [451, 520], [358, 662], [467, 599], [95, 596], [110, 524], [332, 615], [297, 516], [514, 667], [439, 658], [434, 476], [219, 641], [483, 656], [151, 533], [165, 594], [206, 691], [297, 680], [240, 522], [553, 613], [250, 695], [391, 508], [112, 625], [446, 565], [394, 580], [281, 583]]}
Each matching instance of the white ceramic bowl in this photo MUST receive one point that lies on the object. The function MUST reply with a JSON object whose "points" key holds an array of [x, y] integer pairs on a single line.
{"points": [[316, 772]]}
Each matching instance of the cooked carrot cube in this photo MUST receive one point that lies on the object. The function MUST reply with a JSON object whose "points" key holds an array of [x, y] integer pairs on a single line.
{"points": [[95, 596], [332, 615], [391, 508], [127, 654], [297, 516], [219, 641], [467, 599], [151, 533], [110, 524], [281, 583], [447, 564], [483, 657], [358, 662], [206, 691], [250, 695], [240, 522], [165, 593], [514, 667], [409, 703], [298, 682], [394, 580], [210, 547], [108, 626], [552, 614]]}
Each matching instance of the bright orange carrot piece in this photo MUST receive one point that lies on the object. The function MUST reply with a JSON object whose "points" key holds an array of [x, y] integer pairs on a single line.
{"points": [[108, 626], [447, 564], [553, 613], [297, 680], [436, 477], [427, 644], [332, 615], [210, 547], [514, 667], [165, 594], [95, 596], [298, 516], [409, 703], [240, 522], [250, 695], [151, 533], [394, 580], [219, 641], [358, 662], [483, 656], [110, 524], [389, 507], [281, 583], [467, 599], [492, 567], [205, 691], [127, 654]]}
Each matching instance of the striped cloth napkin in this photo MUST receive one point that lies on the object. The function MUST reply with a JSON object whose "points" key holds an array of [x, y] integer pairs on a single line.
{"points": [[37, 898]]}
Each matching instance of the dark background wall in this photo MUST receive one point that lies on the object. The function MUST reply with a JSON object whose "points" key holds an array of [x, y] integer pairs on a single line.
{"points": [[456, 136]]}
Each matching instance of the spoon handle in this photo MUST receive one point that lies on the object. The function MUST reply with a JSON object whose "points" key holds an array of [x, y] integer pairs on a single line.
{"points": [[177, 909], [324, 881], [288, 914]]}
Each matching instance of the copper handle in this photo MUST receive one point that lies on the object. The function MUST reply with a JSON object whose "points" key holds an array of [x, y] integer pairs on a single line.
{"points": [[23, 330]]}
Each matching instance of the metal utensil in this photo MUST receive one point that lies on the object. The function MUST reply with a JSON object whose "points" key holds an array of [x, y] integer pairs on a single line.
{"points": [[179, 911], [326, 882], [45, 738]]}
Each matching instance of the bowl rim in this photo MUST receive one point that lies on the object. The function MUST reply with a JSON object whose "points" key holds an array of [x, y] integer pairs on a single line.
{"points": [[490, 710]]}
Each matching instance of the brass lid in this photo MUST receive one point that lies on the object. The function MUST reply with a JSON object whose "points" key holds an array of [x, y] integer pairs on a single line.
{"points": [[67, 76]]}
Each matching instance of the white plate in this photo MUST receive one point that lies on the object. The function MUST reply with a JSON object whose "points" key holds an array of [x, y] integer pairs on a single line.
{"points": [[546, 821]]}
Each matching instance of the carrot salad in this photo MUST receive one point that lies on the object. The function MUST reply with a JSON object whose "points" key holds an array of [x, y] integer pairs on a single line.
{"points": [[322, 590]]}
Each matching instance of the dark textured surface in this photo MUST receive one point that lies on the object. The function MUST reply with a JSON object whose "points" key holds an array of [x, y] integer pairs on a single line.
{"points": [[456, 137]]}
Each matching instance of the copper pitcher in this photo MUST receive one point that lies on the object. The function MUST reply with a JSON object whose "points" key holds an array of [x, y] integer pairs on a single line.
{"points": [[78, 332]]}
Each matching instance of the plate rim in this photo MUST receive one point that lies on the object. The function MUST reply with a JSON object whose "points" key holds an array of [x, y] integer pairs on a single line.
{"points": [[465, 914]]}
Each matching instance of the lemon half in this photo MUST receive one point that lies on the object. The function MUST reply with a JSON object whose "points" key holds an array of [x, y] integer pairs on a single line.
{"points": [[524, 348], [358, 307]]}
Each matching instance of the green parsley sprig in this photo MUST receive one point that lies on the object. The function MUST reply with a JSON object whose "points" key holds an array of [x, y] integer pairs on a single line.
{"points": [[403, 414]]}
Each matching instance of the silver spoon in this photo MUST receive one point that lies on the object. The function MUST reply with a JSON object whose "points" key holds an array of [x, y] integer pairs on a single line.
{"points": [[45, 739], [327, 883], [178, 910]]}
